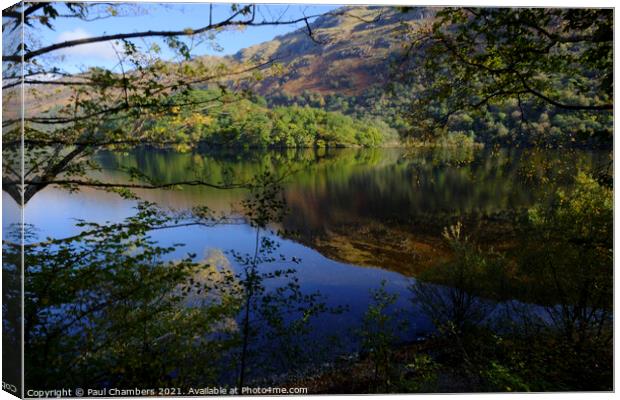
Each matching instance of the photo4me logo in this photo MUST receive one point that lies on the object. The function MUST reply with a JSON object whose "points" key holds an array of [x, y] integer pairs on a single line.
{"points": [[9, 387]]}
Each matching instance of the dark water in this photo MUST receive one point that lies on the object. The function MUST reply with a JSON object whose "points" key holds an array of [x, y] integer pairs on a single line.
{"points": [[356, 216]]}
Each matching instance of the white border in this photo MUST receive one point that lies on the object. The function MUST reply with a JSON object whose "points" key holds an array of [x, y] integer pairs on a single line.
{"points": [[524, 3]]}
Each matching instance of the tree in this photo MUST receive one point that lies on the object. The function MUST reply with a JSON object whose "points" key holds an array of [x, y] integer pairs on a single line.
{"points": [[276, 315], [107, 306], [568, 251], [378, 335], [71, 116], [97, 313], [471, 58]]}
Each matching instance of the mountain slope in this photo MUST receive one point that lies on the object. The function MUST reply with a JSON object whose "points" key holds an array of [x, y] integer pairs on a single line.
{"points": [[346, 54]]}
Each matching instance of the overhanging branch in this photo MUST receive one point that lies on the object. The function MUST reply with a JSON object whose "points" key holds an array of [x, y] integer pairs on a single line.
{"points": [[27, 56]]}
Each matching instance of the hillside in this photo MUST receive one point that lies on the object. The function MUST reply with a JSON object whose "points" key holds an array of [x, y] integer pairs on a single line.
{"points": [[346, 54], [345, 66]]}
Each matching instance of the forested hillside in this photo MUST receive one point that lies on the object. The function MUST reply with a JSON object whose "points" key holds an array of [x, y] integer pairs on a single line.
{"points": [[248, 122], [368, 62]]}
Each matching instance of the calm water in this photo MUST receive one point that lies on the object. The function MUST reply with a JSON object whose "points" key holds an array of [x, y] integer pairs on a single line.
{"points": [[356, 217]]}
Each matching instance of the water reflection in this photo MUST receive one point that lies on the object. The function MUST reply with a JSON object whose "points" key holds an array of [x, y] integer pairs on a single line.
{"points": [[373, 207], [383, 209]]}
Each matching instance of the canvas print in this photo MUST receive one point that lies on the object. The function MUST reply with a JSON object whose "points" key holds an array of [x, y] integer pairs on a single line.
{"points": [[296, 199]]}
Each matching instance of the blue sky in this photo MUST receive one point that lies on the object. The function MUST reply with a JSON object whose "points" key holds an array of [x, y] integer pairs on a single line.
{"points": [[171, 16]]}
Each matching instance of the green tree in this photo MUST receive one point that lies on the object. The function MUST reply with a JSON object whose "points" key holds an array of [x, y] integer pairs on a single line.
{"points": [[378, 336], [567, 249], [104, 307], [471, 58], [274, 322]]}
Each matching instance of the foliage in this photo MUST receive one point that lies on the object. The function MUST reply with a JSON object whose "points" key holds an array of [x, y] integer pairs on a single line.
{"points": [[563, 264], [378, 336], [385, 105], [276, 314], [422, 375], [243, 122], [508, 122], [469, 277], [104, 308], [568, 251], [476, 60], [499, 378], [577, 232]]}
